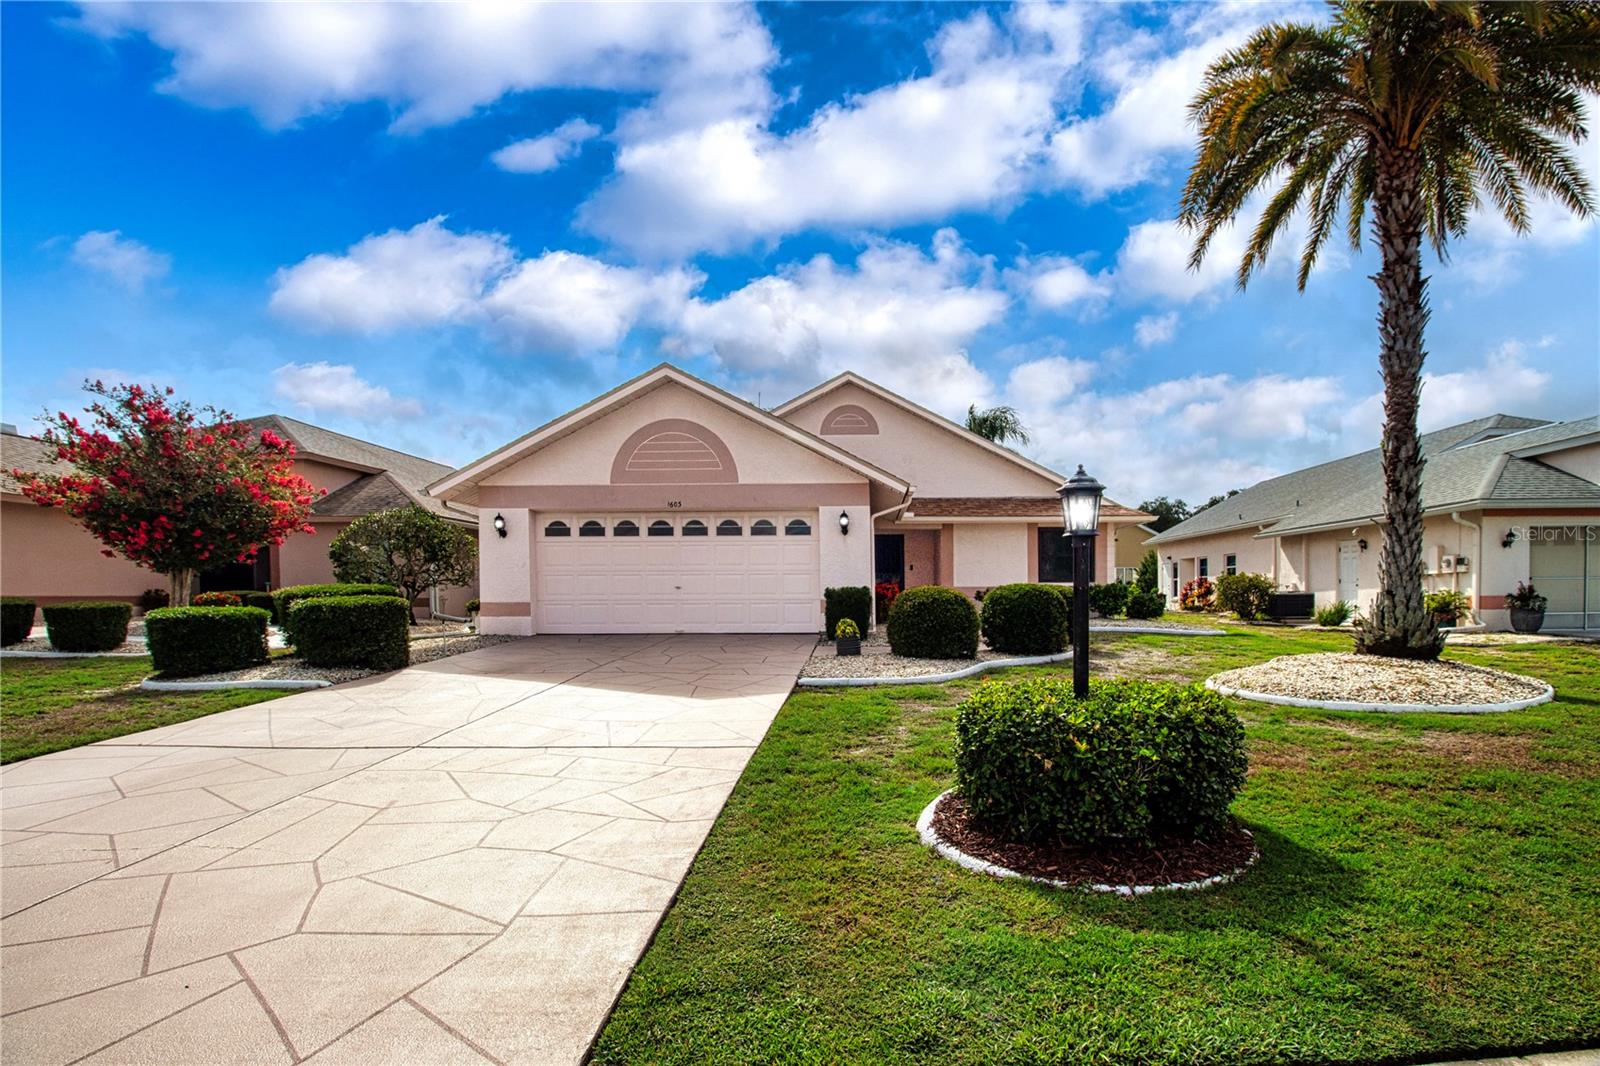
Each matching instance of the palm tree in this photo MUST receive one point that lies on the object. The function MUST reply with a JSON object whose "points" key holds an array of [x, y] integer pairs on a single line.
{"points": [[998, 424], [1420, 111]]}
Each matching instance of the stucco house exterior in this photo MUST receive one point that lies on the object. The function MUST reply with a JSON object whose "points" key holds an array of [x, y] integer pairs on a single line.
{"points": [[670, 505], [1505, 500], [47, 557]]}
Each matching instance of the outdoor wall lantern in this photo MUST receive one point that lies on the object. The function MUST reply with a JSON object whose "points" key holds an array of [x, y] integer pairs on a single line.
{"points": [[1509, 539], [1363, 543], [1080, 514], [844, 523], [500, 524]]}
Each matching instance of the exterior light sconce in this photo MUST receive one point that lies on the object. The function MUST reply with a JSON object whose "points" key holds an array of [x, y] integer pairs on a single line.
{"points": [[500, 524], [844, 523], [1509, 539], [1363, 543]]}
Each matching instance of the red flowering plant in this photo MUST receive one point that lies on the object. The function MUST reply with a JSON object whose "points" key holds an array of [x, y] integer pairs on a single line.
{"points": [[174, 488], [885, 591], [1198, 594]]}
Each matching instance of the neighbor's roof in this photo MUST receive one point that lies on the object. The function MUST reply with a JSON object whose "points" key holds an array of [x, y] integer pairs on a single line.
{"points": [[24, 453], [1467, 465], [1006, 507]]}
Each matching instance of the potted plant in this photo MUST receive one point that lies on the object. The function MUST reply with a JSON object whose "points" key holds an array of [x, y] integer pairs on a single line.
{"points": [[472, 613], [1448, 606], [847, 637], [1527, 608]]}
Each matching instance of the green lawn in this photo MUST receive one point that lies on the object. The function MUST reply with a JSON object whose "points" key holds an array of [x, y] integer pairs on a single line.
{"points": [[1429, 885], [50, 704]]}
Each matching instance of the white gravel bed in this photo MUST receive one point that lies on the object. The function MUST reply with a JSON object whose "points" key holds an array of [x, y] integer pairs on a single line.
{"points": [[295, 672], [876, 660], [1371, 682], [428, 650], [40, 648], [283, 668], [1152, 626]]}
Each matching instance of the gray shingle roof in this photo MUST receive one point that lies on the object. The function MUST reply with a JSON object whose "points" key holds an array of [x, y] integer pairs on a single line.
{"points": [[364, 495], [1464, 463], [24, 453]]}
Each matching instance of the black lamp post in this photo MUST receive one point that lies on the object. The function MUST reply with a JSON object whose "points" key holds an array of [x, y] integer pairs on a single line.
{"points": [[1080, 514]]}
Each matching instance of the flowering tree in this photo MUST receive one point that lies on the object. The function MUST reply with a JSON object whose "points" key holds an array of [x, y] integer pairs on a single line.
{"points": [[171, 487]]}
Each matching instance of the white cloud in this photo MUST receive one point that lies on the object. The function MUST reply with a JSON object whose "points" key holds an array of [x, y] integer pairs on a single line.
{"points": [[1151, 330], [1505, 382], [573, 302], [329, 389], [426, 275], [433, 64], [548, 151], [1055, 282], [1047, 381], [129, 263], [1154, 261]]}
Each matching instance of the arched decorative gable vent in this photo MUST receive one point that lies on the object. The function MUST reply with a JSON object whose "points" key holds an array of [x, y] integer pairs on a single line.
{"points": [[674, 451], [849, 420]]}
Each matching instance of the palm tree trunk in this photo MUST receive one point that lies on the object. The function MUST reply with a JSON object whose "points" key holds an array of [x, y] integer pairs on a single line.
{"points": [[1399, 625]]}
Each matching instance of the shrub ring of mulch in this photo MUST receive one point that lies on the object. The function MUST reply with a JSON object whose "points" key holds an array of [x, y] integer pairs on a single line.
{"points": [[1315, 680], [944, 827]]}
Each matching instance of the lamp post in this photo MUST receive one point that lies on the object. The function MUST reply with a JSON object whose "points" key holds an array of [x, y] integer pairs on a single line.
{"points": [[1080, 514]]}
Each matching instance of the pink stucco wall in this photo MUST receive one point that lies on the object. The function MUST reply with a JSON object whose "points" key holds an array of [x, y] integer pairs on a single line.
{"points": [[47, 556]]}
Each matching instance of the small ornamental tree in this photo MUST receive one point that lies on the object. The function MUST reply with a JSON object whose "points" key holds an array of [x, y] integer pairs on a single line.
{"points": [[174, 488], [410, 548]]}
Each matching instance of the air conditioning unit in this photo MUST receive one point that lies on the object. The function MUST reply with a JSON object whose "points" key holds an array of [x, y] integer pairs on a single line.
{"points": [[1460, 562], [1447, 564]]}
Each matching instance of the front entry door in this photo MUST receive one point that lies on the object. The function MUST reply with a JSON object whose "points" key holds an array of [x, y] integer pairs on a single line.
{"points": [[889, 550], [1349, 570]]}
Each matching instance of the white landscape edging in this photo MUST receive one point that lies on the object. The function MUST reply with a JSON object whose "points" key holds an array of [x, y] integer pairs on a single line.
{"points": [[931, 679], [1160, 631], [150, 684], [24, 654], [1398, 708], [932, 839]]}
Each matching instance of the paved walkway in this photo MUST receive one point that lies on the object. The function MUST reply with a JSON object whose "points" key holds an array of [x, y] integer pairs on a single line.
{"points": [[456, 863]]}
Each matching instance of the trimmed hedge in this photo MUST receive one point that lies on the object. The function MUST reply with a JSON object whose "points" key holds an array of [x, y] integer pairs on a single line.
{"points": [[185, 641], [254, 598], [850, 601], [16, 619], [1109, 600], [1026, 619], [1246, 595], [1133, 760], [285, 598], [1146, 603], [351, 630], [933, 622], [87, 625]]}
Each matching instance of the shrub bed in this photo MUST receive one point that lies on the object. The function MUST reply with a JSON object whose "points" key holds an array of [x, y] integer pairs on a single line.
{"points": [[87, 625], [1246, 595], [285, 598], [1109, 600], [351, 630], [1025, 619], [186, 641], [849, 601], [1146, 603], [1133, 760], [16, 619], [1198, 594], [933, 622], [216, 599], [254, 598]]}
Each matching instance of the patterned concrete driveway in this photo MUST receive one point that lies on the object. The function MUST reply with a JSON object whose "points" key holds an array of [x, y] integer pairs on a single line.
{"points": [[456, 863]]}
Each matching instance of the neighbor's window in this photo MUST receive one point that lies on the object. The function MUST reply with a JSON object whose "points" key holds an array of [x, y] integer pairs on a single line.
{"points": [[1174, 579], [729, 528], [1055, 555], [694, 528], [1205, 567], [661, 528], [1230, 564], [557, 529], [797, 527], [763, 528], [625, 528], [592, 528]]}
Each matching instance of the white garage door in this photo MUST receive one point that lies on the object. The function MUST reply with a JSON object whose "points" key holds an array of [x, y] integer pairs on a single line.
{"points": [[744, 572]]}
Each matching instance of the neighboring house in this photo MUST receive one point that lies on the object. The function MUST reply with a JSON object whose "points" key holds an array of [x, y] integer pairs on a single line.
{"points": [[1132, 543], [46, 556], [1505, 500], [669, 505]]}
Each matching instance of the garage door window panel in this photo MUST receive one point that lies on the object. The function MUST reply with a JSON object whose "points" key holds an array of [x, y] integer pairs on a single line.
{"points": [[592, 528], [557, 528]]}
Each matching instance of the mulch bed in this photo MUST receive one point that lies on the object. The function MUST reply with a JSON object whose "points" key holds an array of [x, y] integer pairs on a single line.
{"points": [[1166, 861]]}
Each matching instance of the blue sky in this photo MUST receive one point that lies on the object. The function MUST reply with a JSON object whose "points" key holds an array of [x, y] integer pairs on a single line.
{"points": [[438, 226]]}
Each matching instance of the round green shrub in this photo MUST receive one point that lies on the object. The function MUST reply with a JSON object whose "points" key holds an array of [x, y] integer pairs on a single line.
{"points": [[186, 641], [16, 619], [352, 631], [1109, 600], [1146, 603], [285, 598], [87, 625], [1025, 619], [1246, 595], [1133, 760], [933, 622]]}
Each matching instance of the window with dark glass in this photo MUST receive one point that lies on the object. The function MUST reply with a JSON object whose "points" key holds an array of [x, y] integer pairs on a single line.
{"points": [[625, 528], [557, 529], [694, 528], [797, 527], [1230, 564], [592, 528], [1055, 556], [1205, 567], [729, 528], [661, 528], [763, 528]]}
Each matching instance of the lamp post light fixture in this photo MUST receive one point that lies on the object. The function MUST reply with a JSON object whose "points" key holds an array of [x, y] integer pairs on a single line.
{"points": [[500, 524], [844, 523], [1080, 515]]}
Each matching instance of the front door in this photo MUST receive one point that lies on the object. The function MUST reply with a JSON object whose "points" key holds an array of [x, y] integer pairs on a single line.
{"points": [[1349, 570], [889, 551]]}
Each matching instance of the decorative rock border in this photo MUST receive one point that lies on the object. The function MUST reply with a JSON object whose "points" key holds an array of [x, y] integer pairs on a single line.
{"points": [[150, 684], [947, 850], [7, 654], [1396, 708], [931, 679]]}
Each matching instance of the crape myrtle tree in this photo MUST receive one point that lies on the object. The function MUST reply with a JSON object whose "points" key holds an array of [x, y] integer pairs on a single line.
{"points": [[174, 488], [410, 548], [1415, 113]]}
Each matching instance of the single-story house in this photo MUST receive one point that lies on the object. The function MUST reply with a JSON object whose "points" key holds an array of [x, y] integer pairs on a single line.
{"points": [[669, 505], [1132, 544], [48, 557], [1505, 500]]}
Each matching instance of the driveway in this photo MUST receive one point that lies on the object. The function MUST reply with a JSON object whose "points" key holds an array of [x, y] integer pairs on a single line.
{"points": [[458, 862]]}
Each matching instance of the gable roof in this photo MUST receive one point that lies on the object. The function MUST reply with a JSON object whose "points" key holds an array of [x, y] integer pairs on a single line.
{"points": [[461, 484], [1471, 463]]}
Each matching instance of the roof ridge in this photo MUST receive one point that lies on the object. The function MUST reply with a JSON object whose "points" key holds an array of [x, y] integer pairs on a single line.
{"points": [[281, 419]]}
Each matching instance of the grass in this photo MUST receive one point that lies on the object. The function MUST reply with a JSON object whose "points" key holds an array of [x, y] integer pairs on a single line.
{"points": [[52, 704], [1429, 886]]}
